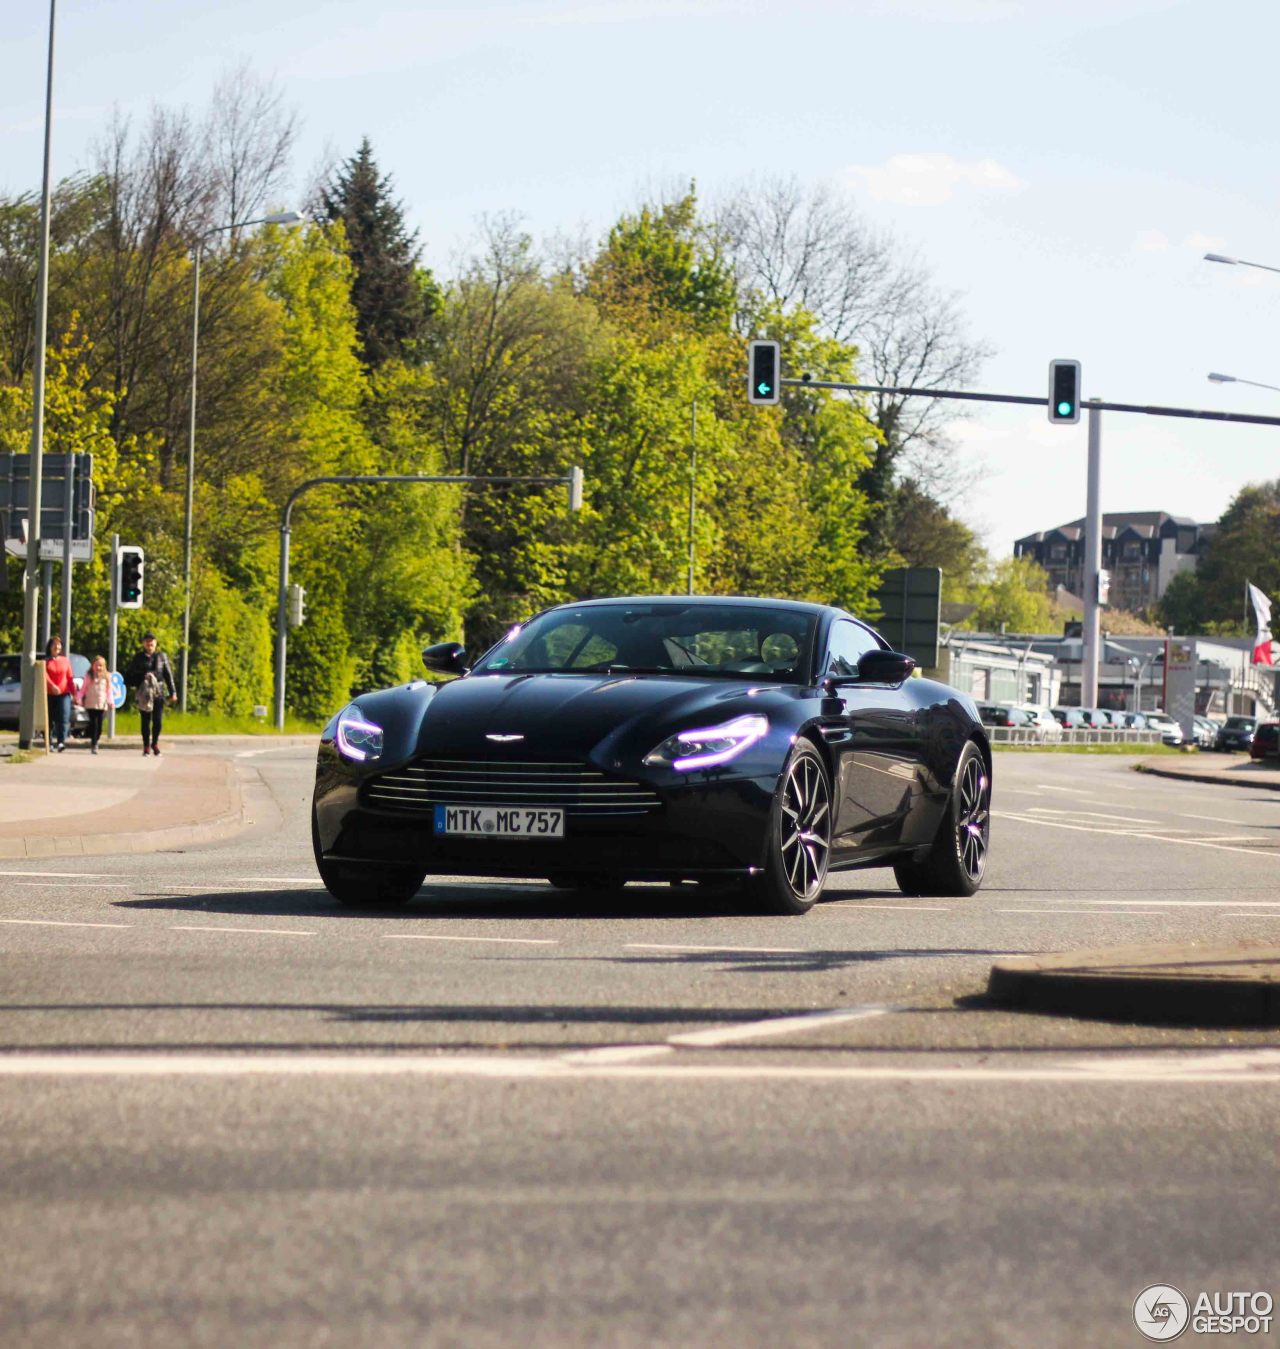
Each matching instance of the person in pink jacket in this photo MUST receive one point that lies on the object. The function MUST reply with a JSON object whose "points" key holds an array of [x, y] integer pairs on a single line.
{"points": [[95, 698], [60, 686]]}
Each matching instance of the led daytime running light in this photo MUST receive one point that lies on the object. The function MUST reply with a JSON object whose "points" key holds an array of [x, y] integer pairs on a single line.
{"points": [[358, 739], [709, 746]]}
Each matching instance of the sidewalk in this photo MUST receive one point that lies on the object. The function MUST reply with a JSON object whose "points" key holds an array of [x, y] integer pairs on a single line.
{"points": [[119, 801], [1186, 984], [1231, 770]]}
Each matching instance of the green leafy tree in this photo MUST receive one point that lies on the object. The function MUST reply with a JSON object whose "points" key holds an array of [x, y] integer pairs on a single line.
{"points": [[393, 294], [1015, 596], [1244, 548]]}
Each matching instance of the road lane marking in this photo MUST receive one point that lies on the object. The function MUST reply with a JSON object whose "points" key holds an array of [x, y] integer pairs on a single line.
{"points": [[899, 908], [435, 936], [1254, 914], [617, 1054], [1217, 819], [778, 1025], [313, 881], [1091, 1074], [1132, 833], [1073, 791], [1119, 913], [74, 885], [262, 931], [1089, 814], [70, 875], [731, 950], [52, 922]]}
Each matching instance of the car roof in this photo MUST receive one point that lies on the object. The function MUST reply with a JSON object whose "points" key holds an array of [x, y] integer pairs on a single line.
{"points": [[800, 606]]}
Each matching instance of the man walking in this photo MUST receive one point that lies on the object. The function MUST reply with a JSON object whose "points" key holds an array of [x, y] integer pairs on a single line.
{"points": [[149, 672]]}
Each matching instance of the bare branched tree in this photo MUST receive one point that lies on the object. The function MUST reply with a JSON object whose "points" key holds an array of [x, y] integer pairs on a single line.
{"points": [[811, 248], [248, 138]]}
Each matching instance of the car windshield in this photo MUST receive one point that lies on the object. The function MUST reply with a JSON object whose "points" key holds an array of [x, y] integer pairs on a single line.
{"points": [[1240, 724], [700, 638]]}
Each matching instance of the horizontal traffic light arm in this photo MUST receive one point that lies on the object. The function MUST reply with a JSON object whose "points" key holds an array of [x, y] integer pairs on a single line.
{"points": [[1200, 414]]}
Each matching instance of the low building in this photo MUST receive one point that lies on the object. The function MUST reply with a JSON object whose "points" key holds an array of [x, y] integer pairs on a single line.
{"points": [[1143, 551]]}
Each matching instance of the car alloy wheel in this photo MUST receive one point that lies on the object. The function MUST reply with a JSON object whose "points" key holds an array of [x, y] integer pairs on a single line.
{"points": [[973, 818], [804, 827]]}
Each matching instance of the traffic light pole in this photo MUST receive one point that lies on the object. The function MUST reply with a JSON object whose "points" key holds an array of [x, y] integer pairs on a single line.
{"points": [[572, 480], [113, 610], [1092, 563], [1093, 513]]}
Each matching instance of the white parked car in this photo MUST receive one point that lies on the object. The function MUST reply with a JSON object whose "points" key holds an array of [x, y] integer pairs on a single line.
{"points": [[1047, 726], [1170, 731]]}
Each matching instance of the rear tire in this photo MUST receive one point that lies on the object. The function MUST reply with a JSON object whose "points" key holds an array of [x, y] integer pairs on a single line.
{"points": [[799, 837], [368, 886], [957, 861]]}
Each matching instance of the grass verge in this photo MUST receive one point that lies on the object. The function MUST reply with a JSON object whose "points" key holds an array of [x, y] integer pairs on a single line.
{"points": [[128, 722]]}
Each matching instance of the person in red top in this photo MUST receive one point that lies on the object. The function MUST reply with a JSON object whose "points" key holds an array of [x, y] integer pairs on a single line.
{"points": [[59, 685]]}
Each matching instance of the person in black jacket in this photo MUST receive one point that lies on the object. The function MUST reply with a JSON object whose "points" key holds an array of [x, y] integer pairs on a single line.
{"points": [[150, 661]]}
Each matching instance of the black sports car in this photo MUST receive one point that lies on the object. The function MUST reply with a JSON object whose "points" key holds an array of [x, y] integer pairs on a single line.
{"points": [[755, 742]]}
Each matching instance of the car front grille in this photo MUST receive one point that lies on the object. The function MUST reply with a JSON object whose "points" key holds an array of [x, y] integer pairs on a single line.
{"points": [[582, 791]]}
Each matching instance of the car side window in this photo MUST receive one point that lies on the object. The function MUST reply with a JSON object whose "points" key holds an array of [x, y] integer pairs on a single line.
{"points": [[846, 646]]}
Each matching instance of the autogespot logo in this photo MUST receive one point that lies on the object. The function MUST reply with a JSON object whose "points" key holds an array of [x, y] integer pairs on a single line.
{"points": [[1161, 1312]]}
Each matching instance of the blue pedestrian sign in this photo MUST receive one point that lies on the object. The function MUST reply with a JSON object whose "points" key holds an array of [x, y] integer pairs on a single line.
{"points": [[118, 692]]}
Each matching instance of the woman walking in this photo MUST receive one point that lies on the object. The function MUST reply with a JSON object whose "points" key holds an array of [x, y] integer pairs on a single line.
{"points": [[59, 685], [95, 698]]}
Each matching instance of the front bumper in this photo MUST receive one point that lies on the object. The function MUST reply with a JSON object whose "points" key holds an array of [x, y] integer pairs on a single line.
{"points": [[707, 828]]}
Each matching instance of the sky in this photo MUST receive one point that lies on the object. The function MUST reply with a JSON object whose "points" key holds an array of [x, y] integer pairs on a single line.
{"points": [[1063, 168]]}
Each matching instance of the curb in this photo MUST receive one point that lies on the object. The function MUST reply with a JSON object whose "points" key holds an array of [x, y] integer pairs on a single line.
{"points": [[1233, 986], [1213, 779], [220, 827]]}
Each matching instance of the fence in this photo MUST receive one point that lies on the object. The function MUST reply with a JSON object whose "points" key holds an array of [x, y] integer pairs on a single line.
{"points": [[1035, 735]]}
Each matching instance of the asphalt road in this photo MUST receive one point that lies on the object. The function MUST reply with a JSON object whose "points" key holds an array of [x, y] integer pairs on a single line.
{"points": [[235, 1114]]}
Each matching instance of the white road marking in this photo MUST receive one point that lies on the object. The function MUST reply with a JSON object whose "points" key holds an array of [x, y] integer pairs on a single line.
{"points": [[1198, 903], [71, 875], [313, 881], [731, 950], [74, 885], [617, 1054], [51, 922], [1217, 819], [780, 1025], [435, 936], [263, 931], [1254, 914], [1089, 814], [1072, 791], [900, 908], [1120, 913], [1184, 1071], [1127, 833]]}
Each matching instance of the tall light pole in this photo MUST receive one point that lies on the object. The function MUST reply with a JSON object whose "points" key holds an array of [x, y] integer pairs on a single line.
{"points": [[1216, 378], [1238, 262], [30, 585], [278, 218]]}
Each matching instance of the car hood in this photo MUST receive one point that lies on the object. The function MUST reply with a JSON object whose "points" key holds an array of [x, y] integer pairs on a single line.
{"points": [[558, 716]]}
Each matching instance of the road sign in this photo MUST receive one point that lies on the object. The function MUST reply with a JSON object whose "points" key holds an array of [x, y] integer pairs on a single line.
{"points": [[118, 691], [15, 471], [51, 549], [764, 364], [911, 605]]}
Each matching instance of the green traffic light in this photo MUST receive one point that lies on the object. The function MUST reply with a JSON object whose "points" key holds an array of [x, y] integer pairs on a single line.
{"points": [[762, 389], [1064, 409]]}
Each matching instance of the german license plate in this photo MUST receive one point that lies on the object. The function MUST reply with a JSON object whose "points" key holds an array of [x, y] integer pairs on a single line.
{"points": [[499, 821]]}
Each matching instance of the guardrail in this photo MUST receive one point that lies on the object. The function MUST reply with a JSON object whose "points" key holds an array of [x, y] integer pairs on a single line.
{"points": [[1033, 735]]}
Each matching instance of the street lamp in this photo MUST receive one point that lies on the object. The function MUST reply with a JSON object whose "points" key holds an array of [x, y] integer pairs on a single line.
{"points": [[1234, 379], [1238, 262], [277, 218]]}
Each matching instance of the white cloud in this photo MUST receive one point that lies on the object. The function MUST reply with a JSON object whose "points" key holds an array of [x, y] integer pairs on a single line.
{"points": [[1204, 243], [932, 179], [1150, 241]]}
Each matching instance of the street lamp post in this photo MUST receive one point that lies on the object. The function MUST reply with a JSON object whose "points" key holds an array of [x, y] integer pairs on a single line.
{"points": [[1216, 378], [278, 218], [1238, 262]]}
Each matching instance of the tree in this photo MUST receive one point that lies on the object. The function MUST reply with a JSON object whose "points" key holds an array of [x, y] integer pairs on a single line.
{"points": [[1014, 598], [1245, 547], [924, 534], [393, 296]]}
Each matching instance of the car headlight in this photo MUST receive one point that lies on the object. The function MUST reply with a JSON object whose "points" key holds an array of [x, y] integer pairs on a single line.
{"points": [[708, 746], [357, 737]]}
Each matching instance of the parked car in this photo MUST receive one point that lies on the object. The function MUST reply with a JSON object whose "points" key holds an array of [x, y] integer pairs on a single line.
{"points": [[1045, 723], [1266, 741], [1236, 733], [1170, 731], [1133, 721], [1070, 718], [11, 692], [1095, 719], [1206, 732], [1004, 715]]}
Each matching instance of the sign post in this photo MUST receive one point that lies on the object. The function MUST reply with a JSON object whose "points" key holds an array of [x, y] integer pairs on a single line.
{"points": [[910, 600], [111, 641]]}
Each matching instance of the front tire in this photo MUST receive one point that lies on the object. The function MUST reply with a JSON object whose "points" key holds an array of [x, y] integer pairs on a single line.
{"points": [[799, 837], [371, 886], [957, 861]]}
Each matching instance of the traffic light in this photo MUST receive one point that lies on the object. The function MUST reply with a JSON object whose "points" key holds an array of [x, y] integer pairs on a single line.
{"points": [[297, 606], [764, 366], [1064, 391], [129, 585]]}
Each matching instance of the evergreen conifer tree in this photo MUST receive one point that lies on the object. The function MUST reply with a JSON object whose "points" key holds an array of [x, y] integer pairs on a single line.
{"points": [[393, 296]]}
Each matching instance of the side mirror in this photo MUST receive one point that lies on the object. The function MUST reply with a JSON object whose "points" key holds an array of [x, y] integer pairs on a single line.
{"points": [[448, 658], [885, 667]]}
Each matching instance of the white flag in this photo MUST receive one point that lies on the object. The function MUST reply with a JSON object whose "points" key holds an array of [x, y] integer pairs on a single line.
{"points": [[1262, 615]]}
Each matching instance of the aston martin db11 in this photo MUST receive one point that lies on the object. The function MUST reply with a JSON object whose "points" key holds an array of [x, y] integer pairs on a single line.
{"points": [[746, 742]]}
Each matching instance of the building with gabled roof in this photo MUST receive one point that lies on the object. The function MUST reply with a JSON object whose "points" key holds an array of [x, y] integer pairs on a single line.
{"points": [[1143, 551]]}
